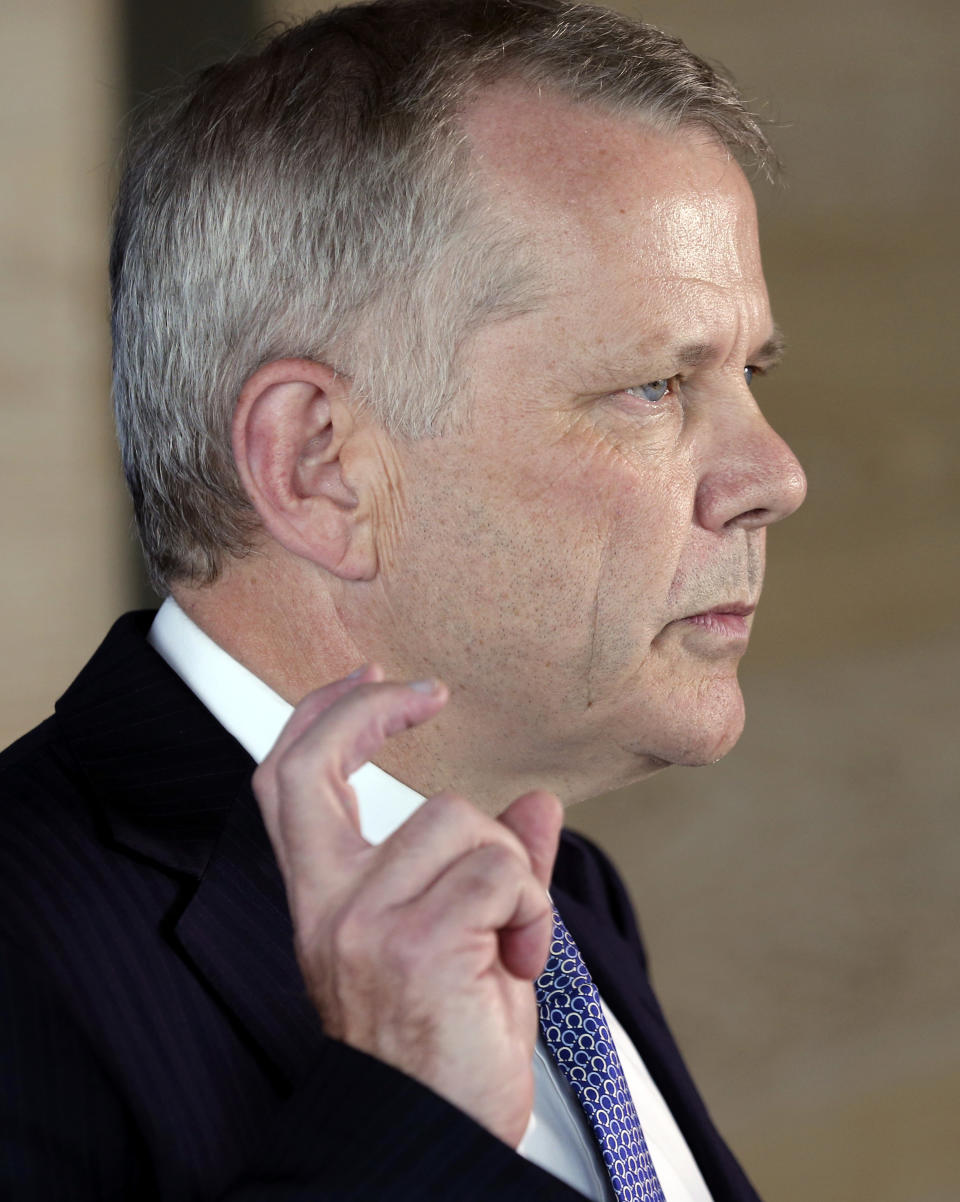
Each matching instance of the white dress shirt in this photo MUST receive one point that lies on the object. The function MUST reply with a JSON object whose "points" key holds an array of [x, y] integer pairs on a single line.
{"points": [[558, 1137]]}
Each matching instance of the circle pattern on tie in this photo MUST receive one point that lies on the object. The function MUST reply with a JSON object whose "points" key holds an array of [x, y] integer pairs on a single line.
{"points": [[579, 1040]]}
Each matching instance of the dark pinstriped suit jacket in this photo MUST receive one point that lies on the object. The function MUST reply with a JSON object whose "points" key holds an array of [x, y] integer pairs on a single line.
{"points": [[155, 1037]]}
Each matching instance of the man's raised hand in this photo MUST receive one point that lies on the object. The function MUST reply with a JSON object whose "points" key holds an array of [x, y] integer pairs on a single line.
{"points": [[420, 951]]}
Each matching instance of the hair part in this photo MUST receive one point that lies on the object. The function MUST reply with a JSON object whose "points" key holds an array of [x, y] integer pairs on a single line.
{"points": [[314, 200]]}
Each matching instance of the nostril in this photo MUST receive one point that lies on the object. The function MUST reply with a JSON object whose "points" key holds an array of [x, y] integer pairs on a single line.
{"points": [[751, 517]]}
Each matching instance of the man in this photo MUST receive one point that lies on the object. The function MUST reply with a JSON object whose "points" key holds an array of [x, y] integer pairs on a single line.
{"points": [[434, 328]]}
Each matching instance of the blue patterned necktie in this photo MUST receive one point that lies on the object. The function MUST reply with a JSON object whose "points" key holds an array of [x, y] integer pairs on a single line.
{"points": [[580, 1042]]}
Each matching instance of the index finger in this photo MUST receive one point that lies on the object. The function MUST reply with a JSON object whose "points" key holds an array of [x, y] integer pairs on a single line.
{"points": [[320, 700], [302, 786]]}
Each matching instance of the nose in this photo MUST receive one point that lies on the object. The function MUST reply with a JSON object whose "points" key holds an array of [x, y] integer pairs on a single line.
{"points": [[749, 476]]}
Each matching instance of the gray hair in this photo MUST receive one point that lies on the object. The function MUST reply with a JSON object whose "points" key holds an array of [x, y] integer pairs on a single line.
{"points": [[313, 200]]}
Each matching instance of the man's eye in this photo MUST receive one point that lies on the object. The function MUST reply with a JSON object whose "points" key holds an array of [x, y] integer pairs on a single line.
{"points": [[748, 374], [655, 391]]}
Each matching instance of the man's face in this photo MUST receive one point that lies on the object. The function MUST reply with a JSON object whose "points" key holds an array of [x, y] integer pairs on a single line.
{"points": [[581, 561]]}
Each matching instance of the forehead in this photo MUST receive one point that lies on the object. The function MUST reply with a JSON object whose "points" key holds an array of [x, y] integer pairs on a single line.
{"points": [[614, 189]]}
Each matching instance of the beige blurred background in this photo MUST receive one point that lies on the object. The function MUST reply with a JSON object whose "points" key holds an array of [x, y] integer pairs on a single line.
{"points": [[800, 900]]}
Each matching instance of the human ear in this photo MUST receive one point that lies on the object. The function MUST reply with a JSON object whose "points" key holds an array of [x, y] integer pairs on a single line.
{"points": [[293, 433]]}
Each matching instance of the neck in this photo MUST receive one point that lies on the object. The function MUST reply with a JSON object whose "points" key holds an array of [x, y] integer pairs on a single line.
{"points": [[284, 627]]}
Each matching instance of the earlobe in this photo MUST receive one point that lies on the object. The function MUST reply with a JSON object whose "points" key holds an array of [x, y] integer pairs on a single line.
{"points": [[293, 428]]}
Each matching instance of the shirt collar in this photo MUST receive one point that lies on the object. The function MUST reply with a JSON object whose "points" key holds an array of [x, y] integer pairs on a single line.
{"points": [[255, 715]]}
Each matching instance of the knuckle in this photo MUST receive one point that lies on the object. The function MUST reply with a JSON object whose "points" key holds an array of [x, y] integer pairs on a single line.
{"points": [[489, 870], [515, 845], [450, 808], [392, 945], [495, 858], [287, 772], [477, 828], [405, 954], [352, 930], [495, 835], [262, 780], [295, 772]]}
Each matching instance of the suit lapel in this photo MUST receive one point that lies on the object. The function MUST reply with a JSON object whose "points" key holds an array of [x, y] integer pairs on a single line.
{"points": [[236, 930], [172, 787], [162, 771]]}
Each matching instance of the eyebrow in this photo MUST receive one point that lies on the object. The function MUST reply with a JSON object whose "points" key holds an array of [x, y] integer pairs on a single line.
{"points": [[772, 351], [767, 356], [691, 354]]}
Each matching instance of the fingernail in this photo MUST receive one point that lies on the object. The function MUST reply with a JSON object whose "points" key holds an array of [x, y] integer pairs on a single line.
{"points": [[424, 686]]}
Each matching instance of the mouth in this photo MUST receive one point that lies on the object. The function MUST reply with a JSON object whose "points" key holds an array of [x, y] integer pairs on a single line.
{"points": [[728, 620]]}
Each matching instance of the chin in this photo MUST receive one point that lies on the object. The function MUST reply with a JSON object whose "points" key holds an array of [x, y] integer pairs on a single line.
{"points": [[708, 751], [698, 727]]}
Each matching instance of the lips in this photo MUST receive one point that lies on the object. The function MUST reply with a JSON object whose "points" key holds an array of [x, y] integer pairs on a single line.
{"points": [[739, 609], [727, 620]]}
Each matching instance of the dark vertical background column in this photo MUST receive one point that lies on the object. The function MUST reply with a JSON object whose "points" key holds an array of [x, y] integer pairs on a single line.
{"points": [[163, 42]]}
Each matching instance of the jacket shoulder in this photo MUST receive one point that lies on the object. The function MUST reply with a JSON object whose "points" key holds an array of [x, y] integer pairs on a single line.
{"points": [[39, 777], [35, 746], [57, 865]]}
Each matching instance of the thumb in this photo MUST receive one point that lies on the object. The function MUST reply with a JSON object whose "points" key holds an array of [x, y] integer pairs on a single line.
{"points": [[536, 818]]}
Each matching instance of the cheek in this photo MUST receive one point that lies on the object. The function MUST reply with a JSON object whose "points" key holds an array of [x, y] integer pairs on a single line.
{"points": [[646, 540], [639, 524], [563, 558], [542, 562], [498, 569]]}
